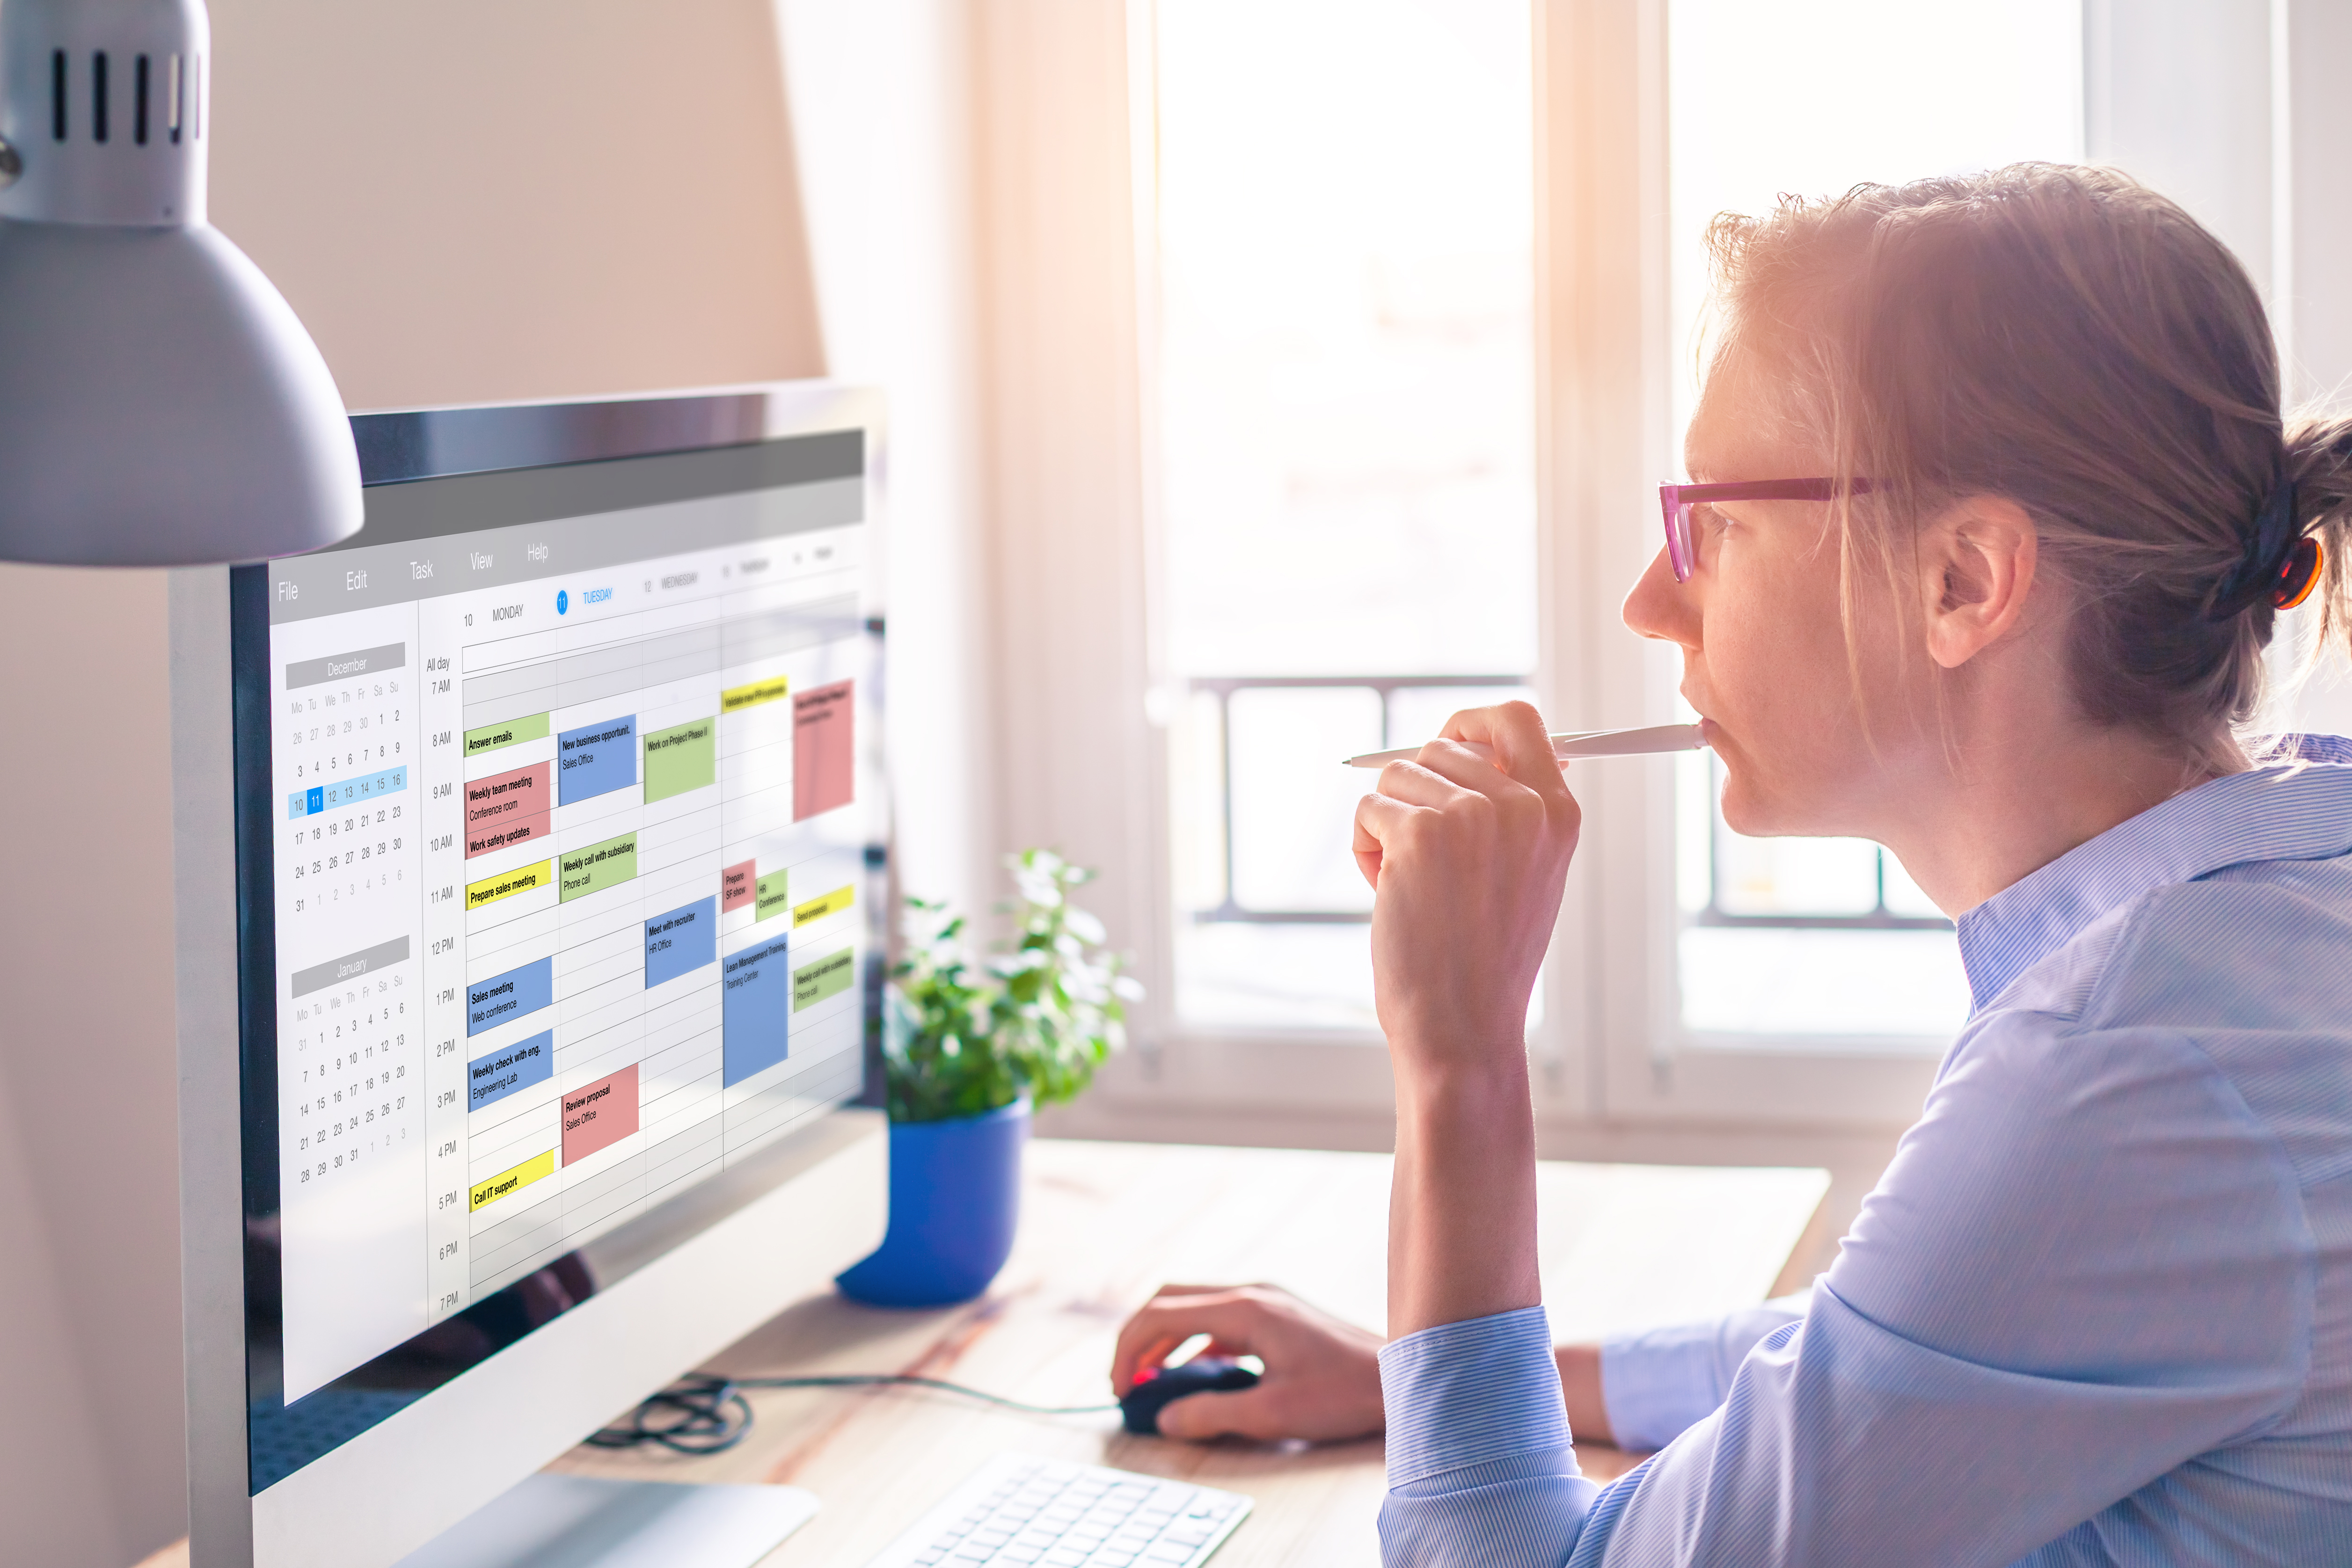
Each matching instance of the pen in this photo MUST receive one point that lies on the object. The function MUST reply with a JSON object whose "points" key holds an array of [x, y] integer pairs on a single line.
{"points": [[1576, 744]]}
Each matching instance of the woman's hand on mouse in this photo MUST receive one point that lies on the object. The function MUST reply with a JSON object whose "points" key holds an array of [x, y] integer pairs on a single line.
{"points": [[1322, 1378]]}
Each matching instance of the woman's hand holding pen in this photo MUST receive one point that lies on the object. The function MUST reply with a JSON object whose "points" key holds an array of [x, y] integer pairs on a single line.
{"points": [[1467, 857]]}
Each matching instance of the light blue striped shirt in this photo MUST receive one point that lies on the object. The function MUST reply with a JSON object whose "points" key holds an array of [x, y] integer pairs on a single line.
{"points": [[2097, 1311]]}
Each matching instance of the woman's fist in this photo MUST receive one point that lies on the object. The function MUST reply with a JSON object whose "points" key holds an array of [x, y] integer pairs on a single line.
{"points": [[1467, 849]]}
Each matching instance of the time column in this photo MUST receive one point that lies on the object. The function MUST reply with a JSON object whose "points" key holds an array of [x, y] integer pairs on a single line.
{"points": [[445, 969]]}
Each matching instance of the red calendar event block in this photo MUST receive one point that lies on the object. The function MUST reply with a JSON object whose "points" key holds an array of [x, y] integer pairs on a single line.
{"points": [[824, 756], [739, 885], [506, 810], [598, 1114]]}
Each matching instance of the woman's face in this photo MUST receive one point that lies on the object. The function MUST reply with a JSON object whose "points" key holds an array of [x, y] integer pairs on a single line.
{"points": [[1765, 658]]}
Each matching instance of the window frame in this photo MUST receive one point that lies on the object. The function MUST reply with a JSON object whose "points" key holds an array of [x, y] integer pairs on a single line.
{"points": [[1605, 341]]}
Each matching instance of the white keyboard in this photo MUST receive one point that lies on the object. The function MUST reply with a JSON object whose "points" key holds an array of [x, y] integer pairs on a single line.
{"points": [[1020, 1510]]}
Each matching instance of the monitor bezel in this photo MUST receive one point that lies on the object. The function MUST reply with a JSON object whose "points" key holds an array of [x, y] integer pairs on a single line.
{"points": [[225, 767]]}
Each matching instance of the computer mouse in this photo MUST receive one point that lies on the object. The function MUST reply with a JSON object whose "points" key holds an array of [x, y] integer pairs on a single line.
{"points": [[1201, 1375]]}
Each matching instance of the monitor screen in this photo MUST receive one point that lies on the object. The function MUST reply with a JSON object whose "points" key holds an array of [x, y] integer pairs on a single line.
{"points": [[553, 865]]}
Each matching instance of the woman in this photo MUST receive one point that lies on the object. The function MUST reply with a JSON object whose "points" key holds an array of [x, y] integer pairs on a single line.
{"points": [[2004, 614]]}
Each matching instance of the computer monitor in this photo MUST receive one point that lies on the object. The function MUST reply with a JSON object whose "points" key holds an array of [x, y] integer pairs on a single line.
{"points": [[526, 906]]}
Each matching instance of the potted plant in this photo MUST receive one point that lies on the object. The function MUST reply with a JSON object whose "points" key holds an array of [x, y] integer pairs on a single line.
{"points": [[969, 1051]]}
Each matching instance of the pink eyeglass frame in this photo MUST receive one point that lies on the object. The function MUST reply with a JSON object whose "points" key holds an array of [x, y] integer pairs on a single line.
{"points": [[1677, 500]]}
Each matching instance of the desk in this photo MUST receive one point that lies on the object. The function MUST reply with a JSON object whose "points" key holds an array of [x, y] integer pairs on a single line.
{"points": [[1102, 1224]]}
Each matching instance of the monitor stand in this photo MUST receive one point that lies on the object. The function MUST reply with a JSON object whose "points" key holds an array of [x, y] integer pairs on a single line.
{"points": [[580, 1522]]}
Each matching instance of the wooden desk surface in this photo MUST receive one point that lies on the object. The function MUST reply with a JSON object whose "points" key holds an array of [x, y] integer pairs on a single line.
{"points": [[1622, 1246]]}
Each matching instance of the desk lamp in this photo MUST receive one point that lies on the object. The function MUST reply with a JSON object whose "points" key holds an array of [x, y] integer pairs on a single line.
{"points": [[160, 404]]}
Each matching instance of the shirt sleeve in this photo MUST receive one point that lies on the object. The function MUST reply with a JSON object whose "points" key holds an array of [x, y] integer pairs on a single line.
{"points": [[1660, 1382], [1980, 1373], [1480, 1468]]}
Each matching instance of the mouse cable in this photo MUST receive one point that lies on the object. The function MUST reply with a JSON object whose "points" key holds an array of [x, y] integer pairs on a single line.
{"points": [[706, 1412]]}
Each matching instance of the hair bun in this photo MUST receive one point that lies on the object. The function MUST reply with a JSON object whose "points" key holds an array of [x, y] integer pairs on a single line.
{"points": [[2273, 552]]}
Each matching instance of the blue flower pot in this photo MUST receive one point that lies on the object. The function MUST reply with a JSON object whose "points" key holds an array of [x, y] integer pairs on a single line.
{"points": [[955, 1201]]}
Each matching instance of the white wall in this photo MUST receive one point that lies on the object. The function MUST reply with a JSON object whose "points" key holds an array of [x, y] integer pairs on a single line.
{"points": [[89, 1317], [537, 199], [2312, 54], [2177, 93], [2314, 50], [532, 199]]}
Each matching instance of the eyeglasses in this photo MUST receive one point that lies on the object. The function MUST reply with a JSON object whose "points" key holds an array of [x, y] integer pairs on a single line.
{"points": [[1676, 501]]}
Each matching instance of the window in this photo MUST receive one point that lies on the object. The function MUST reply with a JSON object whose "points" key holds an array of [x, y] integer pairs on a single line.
{"points": [[1375, 483], [1342, 232]]}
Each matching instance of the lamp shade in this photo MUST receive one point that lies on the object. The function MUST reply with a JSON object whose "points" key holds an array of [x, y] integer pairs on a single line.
{"points": [[160, 402]]}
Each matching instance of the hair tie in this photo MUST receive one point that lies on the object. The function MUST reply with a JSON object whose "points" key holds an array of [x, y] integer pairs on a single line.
{"points": [[2278, 557]]}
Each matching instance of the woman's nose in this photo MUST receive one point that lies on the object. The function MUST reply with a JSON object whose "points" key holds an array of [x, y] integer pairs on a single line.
{"points": [[1662, 608]]}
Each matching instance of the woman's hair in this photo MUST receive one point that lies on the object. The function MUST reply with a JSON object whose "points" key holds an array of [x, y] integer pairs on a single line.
{"points": [[2071, 340]]}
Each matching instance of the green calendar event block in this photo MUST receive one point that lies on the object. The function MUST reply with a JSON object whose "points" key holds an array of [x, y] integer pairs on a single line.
{"points": [[681, 758], [828, 976], [775, 895], [598, 866], [513, 732]]}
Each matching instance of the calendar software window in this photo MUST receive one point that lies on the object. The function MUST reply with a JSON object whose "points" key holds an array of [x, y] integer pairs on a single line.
{"points": [[565, 895]]}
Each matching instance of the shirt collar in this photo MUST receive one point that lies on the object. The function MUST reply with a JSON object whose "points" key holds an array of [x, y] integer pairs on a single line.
{"points": [[2294, 810]]}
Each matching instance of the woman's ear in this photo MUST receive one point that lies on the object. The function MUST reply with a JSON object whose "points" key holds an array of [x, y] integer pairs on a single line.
{"points": [[1977, 562]]}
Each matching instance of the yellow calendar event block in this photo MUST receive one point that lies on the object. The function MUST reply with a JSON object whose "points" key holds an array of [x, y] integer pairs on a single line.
{"points": [[506, 884], [833, 903], [505, 1182], [758, 691]]}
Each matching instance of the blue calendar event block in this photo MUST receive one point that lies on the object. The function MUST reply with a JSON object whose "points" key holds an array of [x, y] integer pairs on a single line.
{"points": [[595, 760], [681, 941], [756, 1014]]}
